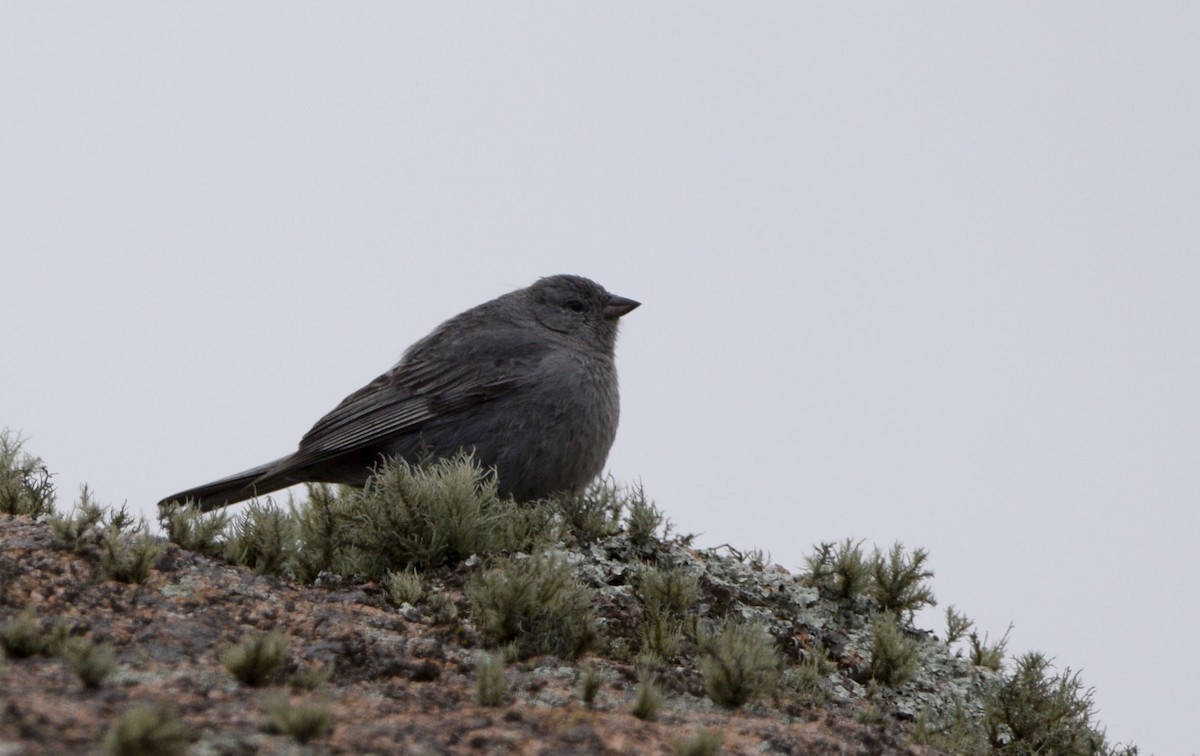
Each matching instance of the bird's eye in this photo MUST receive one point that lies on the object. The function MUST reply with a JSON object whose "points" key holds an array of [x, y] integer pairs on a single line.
{"points": [[574, 305]]}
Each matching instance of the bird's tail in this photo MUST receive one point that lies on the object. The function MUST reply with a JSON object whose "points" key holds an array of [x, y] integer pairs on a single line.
{"points": [[257, 481]]}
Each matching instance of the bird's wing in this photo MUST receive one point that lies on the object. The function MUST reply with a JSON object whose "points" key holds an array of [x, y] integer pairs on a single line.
{"points": [[418, 389]]}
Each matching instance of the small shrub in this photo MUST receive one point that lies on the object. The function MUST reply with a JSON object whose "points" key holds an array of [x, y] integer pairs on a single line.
{"points": [[438, 512], [91, 662], [643, 520], [489, 679], [264, 538], [442, 609], [872, 714], [147, 730], [649, 699], [26, 487], [957, 625], [595, 513], [985, 655], [301, 721], [312, 676], [254, 660], [740, 662], [405, 586], [841, 571], [805, 680], [85, 515], [56, 640], [703, 743], [661, 638], [194, 530], [893, 654], [535, 603], [671, 593], [320, 525], [128, 557], [1038, 711], [957, 731], [589, 684], [21, 637], [897, 580]]}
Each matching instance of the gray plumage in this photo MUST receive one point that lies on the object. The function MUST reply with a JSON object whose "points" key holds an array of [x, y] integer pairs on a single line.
{"points": [[526, 381]]}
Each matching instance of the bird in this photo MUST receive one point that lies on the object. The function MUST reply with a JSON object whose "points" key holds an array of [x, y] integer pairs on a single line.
{"points": [[526, 382]]}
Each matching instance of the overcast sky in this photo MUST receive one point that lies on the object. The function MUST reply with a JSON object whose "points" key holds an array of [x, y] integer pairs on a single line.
{"points": [[923, 272]]}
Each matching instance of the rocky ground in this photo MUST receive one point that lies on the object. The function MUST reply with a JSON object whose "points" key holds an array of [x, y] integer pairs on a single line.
{"points": [[404, 681]]}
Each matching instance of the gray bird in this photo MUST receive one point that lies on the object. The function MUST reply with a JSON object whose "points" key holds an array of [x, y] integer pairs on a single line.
{"points": [[526, 381]]}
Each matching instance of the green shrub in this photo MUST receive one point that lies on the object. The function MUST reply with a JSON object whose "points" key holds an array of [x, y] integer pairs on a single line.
{"points": [[739, 663], [649, 699], [595, 513], [254, 660], [194, 530], [1037, 711], [489, 679], [661, 638], [147, 730], [840, 570], [91, 662], [805, 680], [893, 654], [644, 520], [534, 603], [21, 637], [128, 556], [589, 684], [319, 521], [404, 587], [988, 655], [263, 538], [670, 593], [957, 625], [74, 527], [26, 487], [704, 743], [427, 515], [301, 721], [898, 580], [312, 676]]}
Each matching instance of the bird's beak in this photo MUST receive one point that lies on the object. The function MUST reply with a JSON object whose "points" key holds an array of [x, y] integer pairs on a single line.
{"points": [[616, 306]]}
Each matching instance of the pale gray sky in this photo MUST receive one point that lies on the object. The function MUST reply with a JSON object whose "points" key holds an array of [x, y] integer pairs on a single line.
{"points": [[924, 272]]}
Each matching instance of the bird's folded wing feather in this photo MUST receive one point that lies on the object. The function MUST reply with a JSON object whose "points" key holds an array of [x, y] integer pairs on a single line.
{"points": [[410, 394]]}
